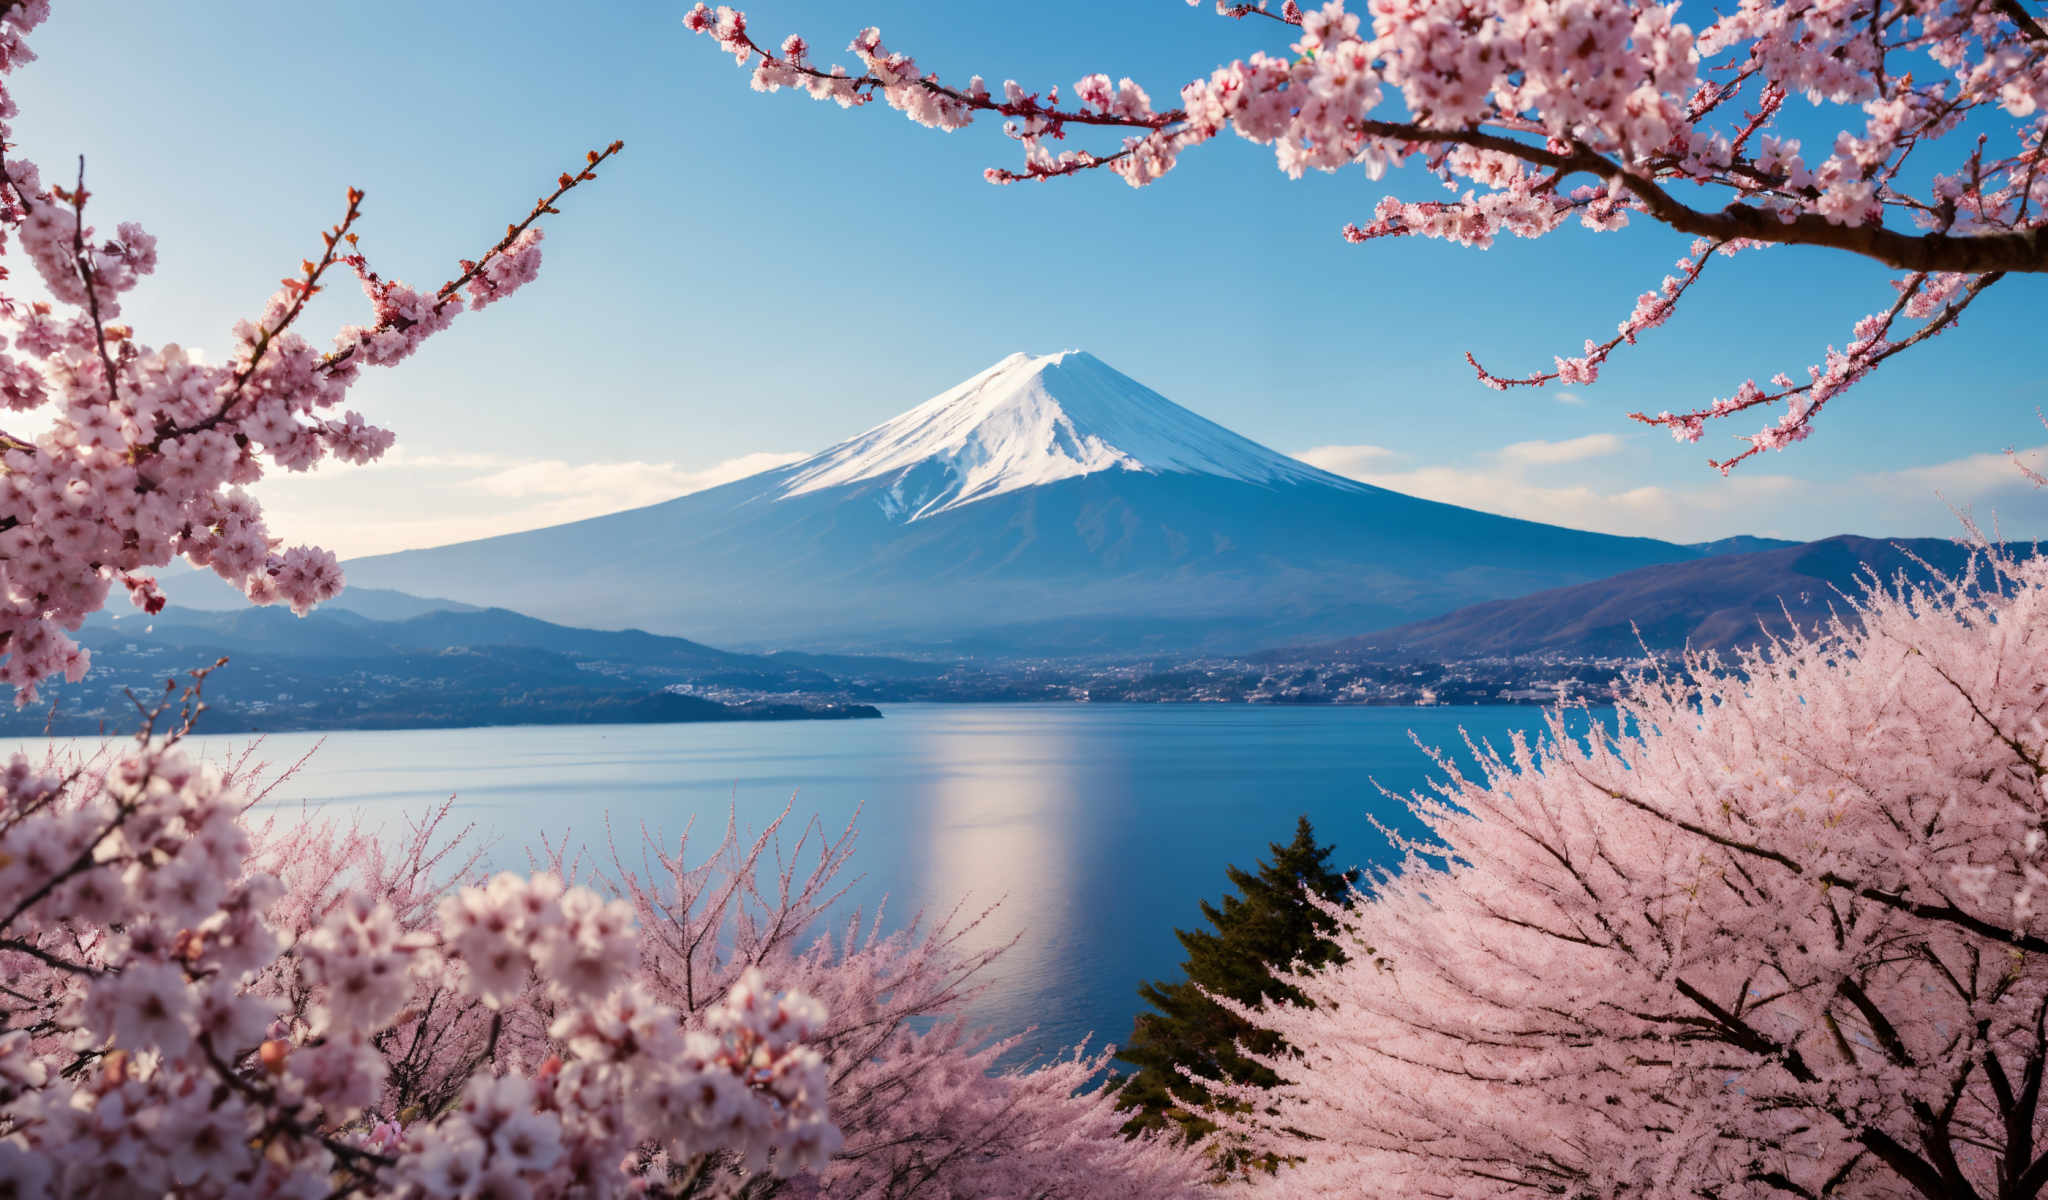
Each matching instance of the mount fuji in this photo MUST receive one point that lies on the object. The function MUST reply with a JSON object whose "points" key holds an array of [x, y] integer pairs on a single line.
{"points": [[1048, 505]]}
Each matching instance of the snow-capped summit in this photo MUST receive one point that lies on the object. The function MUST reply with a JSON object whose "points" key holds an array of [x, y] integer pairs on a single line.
{"points": [[1029, 421]]}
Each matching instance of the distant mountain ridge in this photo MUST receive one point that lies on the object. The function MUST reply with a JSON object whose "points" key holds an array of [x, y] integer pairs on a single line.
{"points": [[338, 669], [1742, 543], [338, 632], [1716, 603], [196, 590], [1047, 505]]}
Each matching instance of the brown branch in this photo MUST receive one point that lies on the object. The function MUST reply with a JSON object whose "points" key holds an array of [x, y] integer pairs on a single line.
{"points": [[82, 263], [1908, 1166], [2022, 18], [2024, 250], [1947, 914], [17, 946], [545, 205], [283, 1116], [1238, 12], [1971, 254], [1742, 1035], [1880, 1026], [2029, 1174]]}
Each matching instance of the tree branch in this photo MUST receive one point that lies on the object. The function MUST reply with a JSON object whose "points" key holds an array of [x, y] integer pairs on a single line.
{"points": [[2022, 18]]}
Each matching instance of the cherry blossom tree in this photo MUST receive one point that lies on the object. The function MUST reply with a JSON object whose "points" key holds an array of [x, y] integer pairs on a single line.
{"points": [[167, 1025], [925, 1103], [1537, 113], [1777, 932]]}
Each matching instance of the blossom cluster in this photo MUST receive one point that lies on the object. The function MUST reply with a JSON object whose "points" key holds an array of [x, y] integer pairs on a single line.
{"points": [[145, 451], [1512, 105]]}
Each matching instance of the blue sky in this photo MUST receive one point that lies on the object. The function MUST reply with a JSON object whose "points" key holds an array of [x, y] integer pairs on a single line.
{"points": [[763, 275]]}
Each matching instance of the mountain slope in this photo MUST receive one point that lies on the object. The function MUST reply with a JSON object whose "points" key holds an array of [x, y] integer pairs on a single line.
{"points": [[1047, 505], [1716, 603]]}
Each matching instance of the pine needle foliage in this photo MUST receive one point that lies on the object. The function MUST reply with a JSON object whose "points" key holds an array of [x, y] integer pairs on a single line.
{"points": [[1266, 925]]}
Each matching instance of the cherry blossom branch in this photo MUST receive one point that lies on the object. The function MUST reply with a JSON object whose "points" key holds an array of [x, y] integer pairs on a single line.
{"points": [[83, 258], [564, 184], [303, 288], [1870, 348], [300, 290], [17, 946], [2020, 250], [2016, 251], [1500, 100], [176, 439], [1652, 309], [284, 1118]]}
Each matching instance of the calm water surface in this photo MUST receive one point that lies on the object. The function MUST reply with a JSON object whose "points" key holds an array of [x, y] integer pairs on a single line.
{"points": [[1098, 827]]}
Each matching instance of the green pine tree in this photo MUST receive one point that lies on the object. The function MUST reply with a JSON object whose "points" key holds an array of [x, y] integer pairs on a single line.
{"points": [[1268, 924]]}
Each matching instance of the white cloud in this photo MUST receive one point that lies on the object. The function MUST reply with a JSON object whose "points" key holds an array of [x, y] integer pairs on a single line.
{"points": [[1346, 460], [1970, 478], [1538, 481], [1650, 510], [1505, 481], [1571, 398], [1543, 454], [399, 458], [619, 484], [433, 499]]}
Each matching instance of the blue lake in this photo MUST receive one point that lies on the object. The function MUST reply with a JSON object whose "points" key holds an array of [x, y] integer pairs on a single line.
{"points": [[1098, 827]]}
